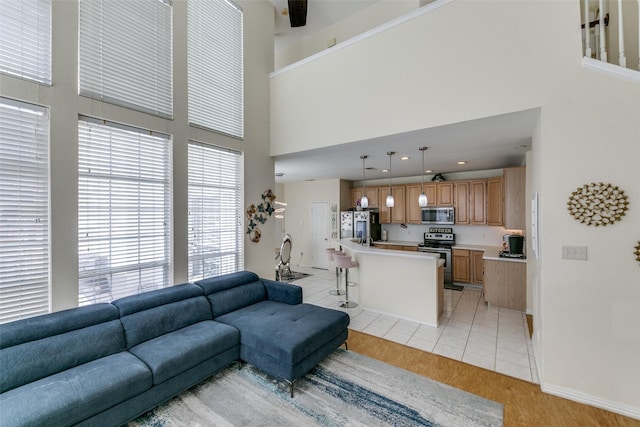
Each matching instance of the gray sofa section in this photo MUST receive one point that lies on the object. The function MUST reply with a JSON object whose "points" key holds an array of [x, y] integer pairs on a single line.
{"points": [[105, 364]]}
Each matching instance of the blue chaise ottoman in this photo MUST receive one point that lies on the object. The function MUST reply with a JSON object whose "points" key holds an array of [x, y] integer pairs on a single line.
{"points": [[278, 334]]}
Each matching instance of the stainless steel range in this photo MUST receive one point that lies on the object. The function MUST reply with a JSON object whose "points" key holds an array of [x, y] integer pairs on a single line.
{"points": [[439, 240]]}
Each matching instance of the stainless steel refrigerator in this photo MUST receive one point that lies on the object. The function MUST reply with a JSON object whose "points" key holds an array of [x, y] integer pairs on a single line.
{"points": [[346, 225]]}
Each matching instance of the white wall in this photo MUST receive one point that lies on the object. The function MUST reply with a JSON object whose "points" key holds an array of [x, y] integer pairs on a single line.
{"points": [[299, 196], [587, 312], [65, 106], [352, 25]]}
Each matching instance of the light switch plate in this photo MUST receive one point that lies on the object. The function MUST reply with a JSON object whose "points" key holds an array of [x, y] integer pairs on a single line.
{"points": [[574, 252]]}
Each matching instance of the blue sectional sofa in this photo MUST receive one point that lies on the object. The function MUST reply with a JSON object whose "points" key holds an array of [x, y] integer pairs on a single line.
{"points": [[105, 364]]}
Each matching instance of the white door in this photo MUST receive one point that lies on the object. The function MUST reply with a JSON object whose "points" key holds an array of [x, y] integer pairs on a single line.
{"points": [[319, 234]]}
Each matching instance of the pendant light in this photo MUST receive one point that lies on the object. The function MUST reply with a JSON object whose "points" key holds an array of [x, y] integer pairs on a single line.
{"points": [[364, 200], [422, 199], [390, 201]]}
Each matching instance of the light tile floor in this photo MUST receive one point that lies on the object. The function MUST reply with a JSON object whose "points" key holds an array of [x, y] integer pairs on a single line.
{"points": [[470, 331]]}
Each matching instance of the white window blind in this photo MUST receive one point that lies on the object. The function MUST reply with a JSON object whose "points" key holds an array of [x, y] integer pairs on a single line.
{"points": [[124, 211], [24, 210], [215, 211], [125, 55], [25, 39], [215, 66]]}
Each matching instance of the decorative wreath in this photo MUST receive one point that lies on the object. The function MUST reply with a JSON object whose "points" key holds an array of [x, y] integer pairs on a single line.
{"points": [[597, 204], [637, 252]]}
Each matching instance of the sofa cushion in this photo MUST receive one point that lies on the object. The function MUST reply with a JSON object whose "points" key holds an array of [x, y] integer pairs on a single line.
{"points": [[67, 338], [175, 352], [70, 396], [233, 291], [287, 333], [152, 314]]}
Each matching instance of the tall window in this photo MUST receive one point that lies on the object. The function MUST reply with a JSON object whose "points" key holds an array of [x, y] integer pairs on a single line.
{"points": [[215, 211], [126, 53], [25, 39], [215, 66], [24, 210], [124, 211]]}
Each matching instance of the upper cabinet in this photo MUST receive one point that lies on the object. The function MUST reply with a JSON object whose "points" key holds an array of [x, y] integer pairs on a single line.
{"points": [[396, 214], [355, 194], [498, 201], [444, 191], [478, 202], [514, 198], [461, 201], [495, 201], [412, 209]]}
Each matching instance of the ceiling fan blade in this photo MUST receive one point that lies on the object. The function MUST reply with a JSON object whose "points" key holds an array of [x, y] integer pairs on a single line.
{"points": [[298, 13]]}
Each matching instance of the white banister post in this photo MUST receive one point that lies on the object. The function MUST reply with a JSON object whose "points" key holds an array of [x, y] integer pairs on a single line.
{"points": [[622, 59], [587, 30], [603, 41]]}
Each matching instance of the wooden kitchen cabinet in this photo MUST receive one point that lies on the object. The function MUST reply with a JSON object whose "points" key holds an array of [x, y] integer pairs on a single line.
{"points": [[477, 202], [477, 267], [461, 201], [468, 266], [398, 210], [515, 198], [431, 191], [380, 246], [444, 194], [495, 201], [412, 209], [410, 248], [355, 193], [461, 270], [505, 284], [396, 214]]}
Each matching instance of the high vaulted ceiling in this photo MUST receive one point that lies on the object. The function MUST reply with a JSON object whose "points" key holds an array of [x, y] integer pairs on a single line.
{"points": [[488, 143]]}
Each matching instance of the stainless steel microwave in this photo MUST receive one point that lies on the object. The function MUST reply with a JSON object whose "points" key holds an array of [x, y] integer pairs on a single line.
{"points": [[437, 215]]}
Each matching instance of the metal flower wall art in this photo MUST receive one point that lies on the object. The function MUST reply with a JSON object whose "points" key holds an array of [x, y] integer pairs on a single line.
{"points": [[258, 214], [637, 252], [598, 204]]}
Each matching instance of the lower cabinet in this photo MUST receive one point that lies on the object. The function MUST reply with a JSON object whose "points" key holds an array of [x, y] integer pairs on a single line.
{"points": [[468, 266], [505, 284], [461, 265]]}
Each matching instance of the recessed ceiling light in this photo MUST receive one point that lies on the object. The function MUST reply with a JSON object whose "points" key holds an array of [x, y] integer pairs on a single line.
{"points": [[384, 170], [428, 171], [279, 174], [405, 158], [462, 162]]}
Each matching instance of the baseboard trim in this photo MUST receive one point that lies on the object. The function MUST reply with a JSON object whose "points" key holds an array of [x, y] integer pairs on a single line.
{"points": [[587, 399]]}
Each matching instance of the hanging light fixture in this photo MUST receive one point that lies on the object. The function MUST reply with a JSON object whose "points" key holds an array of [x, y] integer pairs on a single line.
{"points": [[390, 201], [364, 200], [422, 198]]}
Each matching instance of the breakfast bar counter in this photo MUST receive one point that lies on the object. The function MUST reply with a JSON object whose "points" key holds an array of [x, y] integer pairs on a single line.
{"points": [[409, 285]]}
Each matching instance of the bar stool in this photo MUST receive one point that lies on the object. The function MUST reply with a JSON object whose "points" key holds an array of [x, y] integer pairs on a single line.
{"points": [[330, 252], [345, 262]]}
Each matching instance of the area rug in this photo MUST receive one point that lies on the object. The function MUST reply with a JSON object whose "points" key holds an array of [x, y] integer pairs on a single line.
{"points": [[293, 276], [347, 389]]}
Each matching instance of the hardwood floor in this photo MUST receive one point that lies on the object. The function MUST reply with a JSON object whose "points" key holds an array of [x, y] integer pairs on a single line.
{"points": [[524, 403]]}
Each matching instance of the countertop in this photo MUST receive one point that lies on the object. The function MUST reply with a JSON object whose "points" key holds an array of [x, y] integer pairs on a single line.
{"points": [[490, 252], [358, 248]]}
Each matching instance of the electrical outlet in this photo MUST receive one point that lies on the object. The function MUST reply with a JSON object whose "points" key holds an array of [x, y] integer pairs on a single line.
{"points": [[574, 252]]}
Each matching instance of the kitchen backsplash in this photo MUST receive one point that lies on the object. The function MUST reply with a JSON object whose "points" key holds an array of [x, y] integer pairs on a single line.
{"points": [[465, 234]]}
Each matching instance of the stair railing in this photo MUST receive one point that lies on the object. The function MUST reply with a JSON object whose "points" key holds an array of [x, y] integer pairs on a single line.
{"points": [[596, 22]]}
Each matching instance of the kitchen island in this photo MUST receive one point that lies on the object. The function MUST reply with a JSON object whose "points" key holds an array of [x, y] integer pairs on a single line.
{"points": [[409, 285]]}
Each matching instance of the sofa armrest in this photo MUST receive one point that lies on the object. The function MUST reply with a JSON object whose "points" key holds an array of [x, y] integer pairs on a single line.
{"points": [[283, 292]]}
